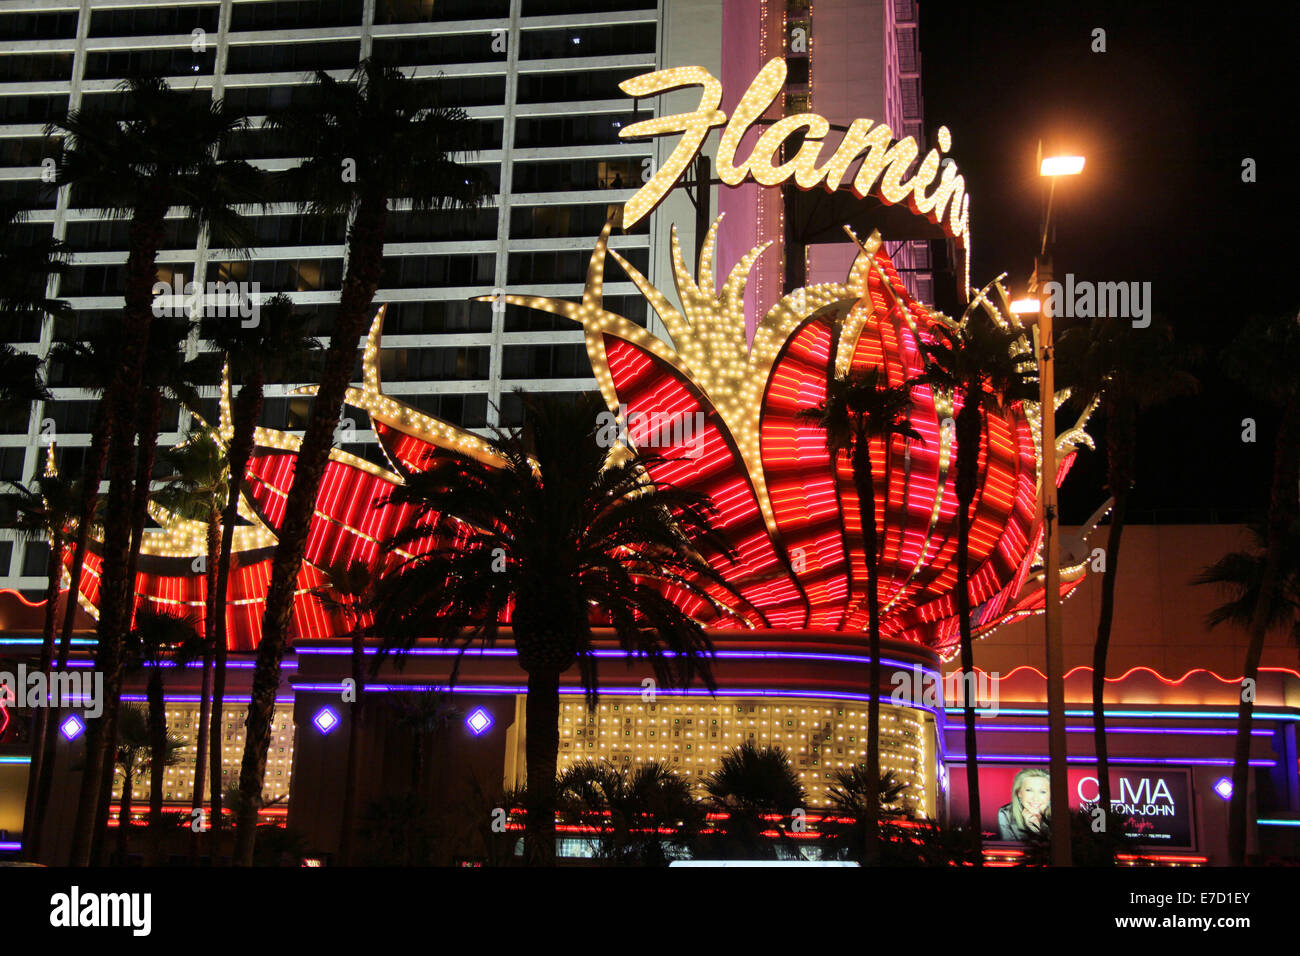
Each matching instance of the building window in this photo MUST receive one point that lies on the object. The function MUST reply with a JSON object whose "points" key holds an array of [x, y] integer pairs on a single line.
{"points": [[512, 416], [184, 62], [434, 364], [450, 315], [426, 11], [458, 48], [153, 21], [597, 129], [293, 57], [569, 175], [38, 26], [624, 39], [295, 14], [554, 221], [35, 67], [545, 361], [554, 87]]}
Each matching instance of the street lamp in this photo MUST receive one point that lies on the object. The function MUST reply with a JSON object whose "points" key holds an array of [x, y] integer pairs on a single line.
{"points": [[1038, 311]]}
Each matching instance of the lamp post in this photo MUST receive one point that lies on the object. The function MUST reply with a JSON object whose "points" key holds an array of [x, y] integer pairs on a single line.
{"points": [[1044, 349]]}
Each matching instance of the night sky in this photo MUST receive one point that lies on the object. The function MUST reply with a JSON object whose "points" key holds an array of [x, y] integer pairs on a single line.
{"points": [[1165, 117]]}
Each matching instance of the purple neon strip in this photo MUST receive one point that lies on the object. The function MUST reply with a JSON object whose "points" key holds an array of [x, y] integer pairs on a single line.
{"points": [[1153, 714], [1037, 728], [169, 665], [1172, 761], [732, 655], [10, 846], [611, 692], [194, 698]]}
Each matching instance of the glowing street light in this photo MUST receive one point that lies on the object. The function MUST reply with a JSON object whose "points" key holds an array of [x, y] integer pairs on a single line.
{"points": [[1061, 166]]}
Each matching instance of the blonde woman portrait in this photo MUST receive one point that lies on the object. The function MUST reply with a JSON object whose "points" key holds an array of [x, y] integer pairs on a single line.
{"points": [[1030, 809]]}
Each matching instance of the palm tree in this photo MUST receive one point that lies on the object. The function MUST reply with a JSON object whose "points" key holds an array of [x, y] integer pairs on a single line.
{"points": [[425, 714], [47, 509], [132, 757], [862, 409], [29, 256], [277, 348], [91, 365], [560, 531], [751, 784], [1126, 371], [398, 829], [850, 794], [1242, 576], [631, 808], [166, 373], [377, 137], [986, 364], [159, 639], [28, 259], [197, 489], [349, 591], [1264, 357], [20, 383], [136, 753], [162, 152]]}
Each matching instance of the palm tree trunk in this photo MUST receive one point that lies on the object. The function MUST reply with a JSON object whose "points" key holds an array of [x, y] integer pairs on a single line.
{"points": [[150, 420], [150, 417], [54, 574], [99, 839], [541, 755], [352, 782], [214, 605], [90, 479], [146, 235], [1281, 513], [968, 446], [417, 761], [1102, 647], [866, 488], [365, 268], [94, 473], [157, 758], [247, 407], [124, 811]]}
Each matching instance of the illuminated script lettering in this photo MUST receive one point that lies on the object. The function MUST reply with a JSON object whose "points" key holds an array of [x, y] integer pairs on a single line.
{"points": [[884, 161]]}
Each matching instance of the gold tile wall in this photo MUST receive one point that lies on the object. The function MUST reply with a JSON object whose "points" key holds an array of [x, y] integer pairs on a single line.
{"points": [[690, 736]]}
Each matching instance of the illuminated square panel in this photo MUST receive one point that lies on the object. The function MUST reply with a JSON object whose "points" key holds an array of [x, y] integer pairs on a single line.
{"points": [[689, 736], [178, 787]]}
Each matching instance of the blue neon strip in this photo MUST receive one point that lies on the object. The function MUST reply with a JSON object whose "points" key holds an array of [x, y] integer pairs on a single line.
{"points": [[15, 760], [1171, 761], [1278, 823]]}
